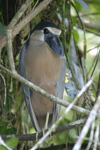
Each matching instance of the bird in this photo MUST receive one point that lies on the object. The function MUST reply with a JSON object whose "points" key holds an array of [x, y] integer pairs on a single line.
{"points": [[43, 63]]}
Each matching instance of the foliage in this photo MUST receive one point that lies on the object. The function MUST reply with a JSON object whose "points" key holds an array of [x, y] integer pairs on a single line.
{"points": [[81, 44], [12, 143]]}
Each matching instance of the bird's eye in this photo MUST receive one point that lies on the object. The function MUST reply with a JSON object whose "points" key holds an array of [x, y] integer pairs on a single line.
{"points": [[46, 31]]}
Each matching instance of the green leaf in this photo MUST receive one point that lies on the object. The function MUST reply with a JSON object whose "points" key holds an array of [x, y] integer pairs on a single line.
{"points": [[2, 30], [76, 35], [59, 1], [74, 21], [5, 129], [81, 2], [12, 143]]}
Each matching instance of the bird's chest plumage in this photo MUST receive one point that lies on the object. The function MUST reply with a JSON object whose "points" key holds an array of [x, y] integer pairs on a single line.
{"points": [[42, 68], [41, 64]]}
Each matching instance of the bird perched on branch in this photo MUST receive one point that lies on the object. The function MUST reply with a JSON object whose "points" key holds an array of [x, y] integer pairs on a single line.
{"points": [[42, 62]]}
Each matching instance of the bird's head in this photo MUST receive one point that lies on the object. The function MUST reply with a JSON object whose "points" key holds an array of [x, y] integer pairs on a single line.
{"points": [[49, 33]]}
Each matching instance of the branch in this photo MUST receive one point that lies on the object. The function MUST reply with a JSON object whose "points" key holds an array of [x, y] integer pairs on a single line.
{"points": [[98, 34], [85, 15], [32, 137], [51, 97], [97, 133], [92, 24], [9, 33], [9, 49], [91, 136], [25, 21], [44, 93], [19, 13]]}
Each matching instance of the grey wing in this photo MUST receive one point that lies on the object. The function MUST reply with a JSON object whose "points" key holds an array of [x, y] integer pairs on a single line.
{"points": [[26, 90], [59, 89]]}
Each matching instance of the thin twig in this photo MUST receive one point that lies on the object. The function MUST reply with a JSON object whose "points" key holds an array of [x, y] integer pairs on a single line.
{"points": [[92, 48], [89, 31], [98, 86], [9, 49], [95, 65], [84, 15], [4, 88], [92, 64], [19, 13], [35, 4], [86, 127], [97, 133], [91, 136], [96, 137]]}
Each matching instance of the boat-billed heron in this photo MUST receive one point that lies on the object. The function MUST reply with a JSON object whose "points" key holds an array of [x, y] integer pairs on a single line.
{"points": [[42, 62]]}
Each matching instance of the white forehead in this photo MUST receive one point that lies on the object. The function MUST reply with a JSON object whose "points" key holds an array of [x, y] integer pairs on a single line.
{"points": [[54, 30], [39, 34]]}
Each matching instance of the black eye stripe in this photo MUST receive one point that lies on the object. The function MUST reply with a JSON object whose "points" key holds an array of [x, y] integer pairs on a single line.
{"points": [[46, 31]]}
